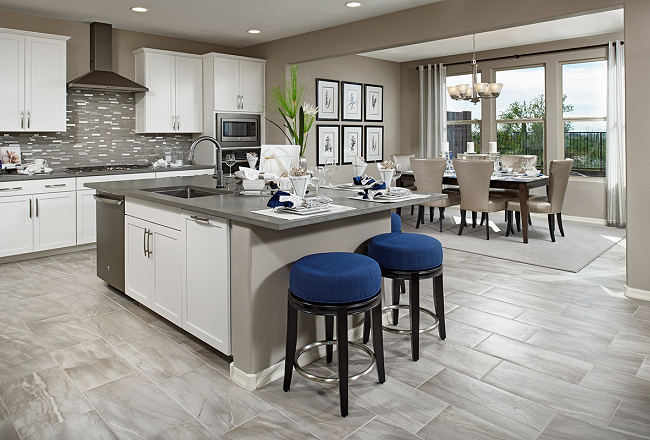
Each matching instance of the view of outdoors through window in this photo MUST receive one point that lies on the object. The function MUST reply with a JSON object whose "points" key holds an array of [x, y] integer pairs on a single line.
{"points": [[584, 86], [463, 119]]}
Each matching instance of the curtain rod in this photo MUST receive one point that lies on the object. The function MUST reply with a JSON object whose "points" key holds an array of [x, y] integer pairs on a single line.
{"points": [[517, 56]]}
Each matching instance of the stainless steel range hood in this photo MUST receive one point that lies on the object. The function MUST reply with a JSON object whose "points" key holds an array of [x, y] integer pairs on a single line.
{"points": [[101, 75]]}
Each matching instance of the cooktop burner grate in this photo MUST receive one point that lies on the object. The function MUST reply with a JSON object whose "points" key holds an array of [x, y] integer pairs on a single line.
{"points": [[90, 169]]}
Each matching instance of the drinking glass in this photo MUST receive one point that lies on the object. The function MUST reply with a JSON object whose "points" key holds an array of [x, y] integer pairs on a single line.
{"points": [[230, 161], [330, 168], [318, 177], [397, 174]]}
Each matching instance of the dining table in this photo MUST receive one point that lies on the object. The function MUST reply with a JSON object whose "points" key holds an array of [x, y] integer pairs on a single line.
{"points": [[521, 183]]}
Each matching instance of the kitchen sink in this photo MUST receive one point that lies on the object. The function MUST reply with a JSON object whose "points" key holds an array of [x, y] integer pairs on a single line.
{"points": [[189, 192]]}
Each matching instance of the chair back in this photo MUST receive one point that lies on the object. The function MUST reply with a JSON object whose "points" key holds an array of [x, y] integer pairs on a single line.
{"points": [[403, 159], [428, 174], [474, 182], [558, 180], [477, 157], [515, 161]]}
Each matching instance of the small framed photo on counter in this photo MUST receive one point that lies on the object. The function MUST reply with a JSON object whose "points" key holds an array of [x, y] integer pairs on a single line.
{"points": [[374, 97], [327, 142], [351, 101], [351, 143], [374, 144], [327, 99]]}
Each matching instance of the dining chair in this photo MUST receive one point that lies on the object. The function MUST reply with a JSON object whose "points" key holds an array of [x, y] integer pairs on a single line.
{"points": [[428, 174], [474, 182], [551, 204], [515, 161]]}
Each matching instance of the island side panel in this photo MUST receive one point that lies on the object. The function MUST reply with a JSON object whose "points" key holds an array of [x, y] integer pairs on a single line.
{"points": [[261, 260]]}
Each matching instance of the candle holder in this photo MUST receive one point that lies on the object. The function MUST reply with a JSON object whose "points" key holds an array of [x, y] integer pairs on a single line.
{"points": [[447, 155]]}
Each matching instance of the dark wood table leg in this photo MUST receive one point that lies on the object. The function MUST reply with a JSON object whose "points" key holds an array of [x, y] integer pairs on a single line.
{"points": [[523, 206]]}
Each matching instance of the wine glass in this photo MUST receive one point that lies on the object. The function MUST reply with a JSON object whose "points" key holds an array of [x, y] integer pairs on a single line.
{"points": [[230, 161], [318, 177], [330, 168], [397, 174]]}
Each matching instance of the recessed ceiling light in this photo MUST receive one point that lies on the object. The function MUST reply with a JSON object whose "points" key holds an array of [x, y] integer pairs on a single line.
{"points": [[253, 31], [139, 9], [353, 4]]}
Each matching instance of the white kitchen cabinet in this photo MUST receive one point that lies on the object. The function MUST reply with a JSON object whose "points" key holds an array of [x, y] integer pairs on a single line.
{"points": [[32, 81], [54, 220], [232, 83], [17, 214], [206, 276], [174, 102]]}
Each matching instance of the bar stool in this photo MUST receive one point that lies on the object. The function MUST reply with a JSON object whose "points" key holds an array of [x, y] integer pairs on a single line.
{"points": [[410, 257], [334, 284]]}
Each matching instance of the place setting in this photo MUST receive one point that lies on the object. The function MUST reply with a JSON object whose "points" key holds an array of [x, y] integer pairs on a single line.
{"points": [[383, 190]]}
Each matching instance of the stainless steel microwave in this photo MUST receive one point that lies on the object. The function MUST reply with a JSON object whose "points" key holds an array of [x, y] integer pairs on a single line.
{"points": [[238, 129]]}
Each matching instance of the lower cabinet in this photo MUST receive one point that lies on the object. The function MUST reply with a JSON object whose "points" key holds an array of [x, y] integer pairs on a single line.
{"points": [[18, 225]]}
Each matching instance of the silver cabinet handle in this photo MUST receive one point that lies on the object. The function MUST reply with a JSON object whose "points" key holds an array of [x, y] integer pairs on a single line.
{"points": [[29, 122], [200, 219], [30, 208], [109, 201], [149, 251], [58, 185], [144, 242], [22, 119], [37, 208], [18, 188], [242, 102], [173, 122], [178, 122]]}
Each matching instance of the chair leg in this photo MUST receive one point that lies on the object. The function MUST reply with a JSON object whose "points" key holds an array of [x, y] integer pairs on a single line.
{"points": [[518, 220], [292, 336], [551, 226], [509, 222], [342, 350], [378, 342], [398, 211], [559, 223], [431, 209], [462, 221], [329, 336], [412, 208], [366, 329], [530, 220], [420, 216], [396, 294], [487, 225], [402, 286], [414, 312], [441, 215], [439, 305], [473, 219]]}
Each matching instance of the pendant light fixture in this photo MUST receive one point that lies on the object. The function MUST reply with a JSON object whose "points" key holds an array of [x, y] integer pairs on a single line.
{"points": [[477, 90]]}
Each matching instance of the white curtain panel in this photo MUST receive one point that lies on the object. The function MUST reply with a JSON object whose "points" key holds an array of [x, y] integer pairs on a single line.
{"points": [[616, 186], [433, 110]]}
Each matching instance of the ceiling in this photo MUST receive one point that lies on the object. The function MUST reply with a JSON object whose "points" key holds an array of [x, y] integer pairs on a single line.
{"points": [[574, 27], [214, 21]]}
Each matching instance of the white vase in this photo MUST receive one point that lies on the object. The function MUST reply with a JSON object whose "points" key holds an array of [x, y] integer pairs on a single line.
{"points": [[252, 161], [386, 176], [359, 169], [300, 185]]}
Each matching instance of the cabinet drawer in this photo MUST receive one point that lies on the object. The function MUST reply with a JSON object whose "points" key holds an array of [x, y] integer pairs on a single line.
{"points": [[54, 185], [154, 213], [20, 187]]}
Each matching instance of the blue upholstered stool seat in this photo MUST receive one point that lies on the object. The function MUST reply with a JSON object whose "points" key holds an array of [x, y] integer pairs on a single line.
{"points": [[335, 277], [395, 223], [409, 252]]}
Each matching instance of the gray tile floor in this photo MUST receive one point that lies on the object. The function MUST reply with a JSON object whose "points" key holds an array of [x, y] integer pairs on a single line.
{"points": [[531, 353]]}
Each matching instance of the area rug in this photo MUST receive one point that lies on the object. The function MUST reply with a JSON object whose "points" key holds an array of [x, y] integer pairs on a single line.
{"points": [[583, 242]]}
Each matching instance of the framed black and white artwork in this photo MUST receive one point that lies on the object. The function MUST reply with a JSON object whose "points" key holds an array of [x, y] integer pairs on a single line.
{"points": [[374, 143], [327, 140], [351, 143], [374, 97], [327, 99], [351, 101]]}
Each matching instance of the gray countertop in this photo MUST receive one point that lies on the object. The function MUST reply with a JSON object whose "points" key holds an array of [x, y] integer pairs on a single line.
{"points": [[239, 208], [63, 174]]}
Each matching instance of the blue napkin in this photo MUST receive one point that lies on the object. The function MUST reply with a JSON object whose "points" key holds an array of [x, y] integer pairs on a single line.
{"points": [[363, 180], [274, 201], [376, 187]]}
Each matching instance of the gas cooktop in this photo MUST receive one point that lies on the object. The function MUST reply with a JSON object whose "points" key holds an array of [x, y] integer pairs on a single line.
{"points": [[94, 168]]}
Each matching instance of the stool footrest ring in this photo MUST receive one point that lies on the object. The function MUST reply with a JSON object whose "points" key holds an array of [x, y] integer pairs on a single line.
{"points": [[322, 379], [408, 332]]}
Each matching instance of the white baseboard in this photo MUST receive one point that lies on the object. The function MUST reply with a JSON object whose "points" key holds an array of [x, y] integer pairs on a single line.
{"points": [[631, 292], [41, 254], [587, 220], [253, 381]]}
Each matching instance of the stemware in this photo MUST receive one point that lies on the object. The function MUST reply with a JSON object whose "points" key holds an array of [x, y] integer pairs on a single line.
{"points": [[330, 168], [397, 174], [230, 161], [317, 177]]}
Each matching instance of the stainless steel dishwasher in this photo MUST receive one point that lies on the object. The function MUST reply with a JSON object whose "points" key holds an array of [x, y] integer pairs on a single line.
{"points": [[110, 239]]}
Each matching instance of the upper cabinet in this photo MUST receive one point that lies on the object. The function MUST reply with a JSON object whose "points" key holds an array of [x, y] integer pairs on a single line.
{"points": [[233, 83], [32, 81], [174, 102]]}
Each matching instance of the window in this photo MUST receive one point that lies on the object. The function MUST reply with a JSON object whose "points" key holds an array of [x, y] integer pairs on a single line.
{"points": [[521, 112], [584, 111], [463, 119]]}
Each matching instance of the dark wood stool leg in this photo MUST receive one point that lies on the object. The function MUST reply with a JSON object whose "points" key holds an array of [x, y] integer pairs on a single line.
{"points": [[463, 213], [412, 208], [329, 336], [509, 224], [396, 294], [439, 305], [431, 208], [487, 225], [518, 220], [559, 223], [420, 216], [342, 349], [402, 286], [292, 336], [414, 311], [473, 219], [378, 342], [366, 327], [551, 226]]}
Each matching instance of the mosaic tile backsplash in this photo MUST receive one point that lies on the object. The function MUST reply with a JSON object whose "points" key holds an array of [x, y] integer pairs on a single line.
{"points": [[100, 131]]}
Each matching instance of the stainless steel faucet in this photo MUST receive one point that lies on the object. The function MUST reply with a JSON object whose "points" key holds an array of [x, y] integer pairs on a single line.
{"points": [[218, 171]]}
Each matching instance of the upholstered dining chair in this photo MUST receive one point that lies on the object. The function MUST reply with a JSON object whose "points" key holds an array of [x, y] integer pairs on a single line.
{"points": [[428, 174], [515, 161], [551, 204], [474, 182]]}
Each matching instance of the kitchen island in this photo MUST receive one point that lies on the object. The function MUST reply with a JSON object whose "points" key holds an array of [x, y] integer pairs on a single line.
{"points": [[228, 268]]}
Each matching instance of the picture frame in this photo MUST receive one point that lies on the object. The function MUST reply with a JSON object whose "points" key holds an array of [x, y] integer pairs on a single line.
{"points": [[327, 142], [351, 143], [374, 143], [327, 99], [374, 103], [10, 156], [351, 101]]}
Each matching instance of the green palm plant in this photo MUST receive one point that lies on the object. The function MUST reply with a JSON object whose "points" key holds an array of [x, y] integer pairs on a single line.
{"points": [[288, 100]]}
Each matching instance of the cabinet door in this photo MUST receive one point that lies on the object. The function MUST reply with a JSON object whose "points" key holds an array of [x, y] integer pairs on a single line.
{"points": [[17, 225], [54, 220], [226, 84], [251, 86], [166, 253], [189, 95], [138, 264], [12, 81], [160, 105], [86, 217], [207, 281], [45, 84]]}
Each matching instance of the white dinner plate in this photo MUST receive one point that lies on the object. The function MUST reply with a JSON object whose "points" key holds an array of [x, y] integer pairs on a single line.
{"points": [[305, 211]]}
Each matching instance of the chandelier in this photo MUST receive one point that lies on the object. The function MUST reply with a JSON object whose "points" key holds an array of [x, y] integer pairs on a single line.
{"points": [[477, 90]]}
